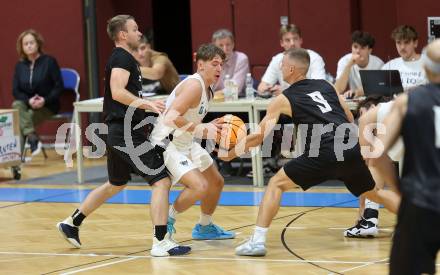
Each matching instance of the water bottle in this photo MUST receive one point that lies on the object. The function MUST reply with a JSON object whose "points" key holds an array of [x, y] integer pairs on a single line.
{"points": [[249, 87], [227, 91]]}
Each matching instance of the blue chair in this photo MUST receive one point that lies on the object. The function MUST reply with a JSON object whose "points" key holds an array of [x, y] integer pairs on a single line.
{"points": [[71, 81], [182, 76]]}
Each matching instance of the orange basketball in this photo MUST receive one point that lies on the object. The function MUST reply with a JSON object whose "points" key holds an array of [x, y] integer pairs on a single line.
{"points": [[233, 130]]}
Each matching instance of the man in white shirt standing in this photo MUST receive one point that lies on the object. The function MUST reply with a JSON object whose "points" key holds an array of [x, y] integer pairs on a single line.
{"points": [[409, 64], [290, 38], [349, 65]]}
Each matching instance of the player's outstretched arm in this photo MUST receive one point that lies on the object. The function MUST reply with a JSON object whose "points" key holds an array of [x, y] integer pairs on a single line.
{"points": [[118, 81], [279, 105]]}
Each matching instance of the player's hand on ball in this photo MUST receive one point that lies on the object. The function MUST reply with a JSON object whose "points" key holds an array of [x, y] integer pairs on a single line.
{"points": [[226, 155], [218, 123]]}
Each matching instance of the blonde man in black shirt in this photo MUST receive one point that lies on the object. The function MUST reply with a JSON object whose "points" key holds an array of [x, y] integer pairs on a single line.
{"points": [[123, 112]]}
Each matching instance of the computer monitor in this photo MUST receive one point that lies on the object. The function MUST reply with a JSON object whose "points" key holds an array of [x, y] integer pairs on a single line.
{"points": [[381, 82]]}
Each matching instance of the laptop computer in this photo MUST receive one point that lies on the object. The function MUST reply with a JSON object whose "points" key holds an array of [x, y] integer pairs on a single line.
{"points": [[381, 82]]}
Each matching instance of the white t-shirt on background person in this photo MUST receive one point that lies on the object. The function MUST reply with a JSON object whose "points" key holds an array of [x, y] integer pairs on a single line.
{"points": [[411, 72], [354, 79], [273, 73]]}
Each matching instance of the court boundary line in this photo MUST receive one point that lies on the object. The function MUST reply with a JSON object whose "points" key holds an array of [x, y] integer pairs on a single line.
{"points": [[296, 254], [99, 266], [283, 232], [252, 259], [385, 261], [36, 200], [240, 227], [146, 250]]}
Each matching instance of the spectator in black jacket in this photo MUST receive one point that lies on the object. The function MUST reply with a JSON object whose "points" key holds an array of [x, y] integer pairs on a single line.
{"points": [[37, 86]]}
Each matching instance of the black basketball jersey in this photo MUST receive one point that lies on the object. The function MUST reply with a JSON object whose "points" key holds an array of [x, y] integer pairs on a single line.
{"points": [[114, 110], [315, 104], [421, 135]]}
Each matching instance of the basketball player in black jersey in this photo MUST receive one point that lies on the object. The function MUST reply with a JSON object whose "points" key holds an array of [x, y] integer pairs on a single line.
{"points": [[416, 117], [122, 85], [327, 154]]}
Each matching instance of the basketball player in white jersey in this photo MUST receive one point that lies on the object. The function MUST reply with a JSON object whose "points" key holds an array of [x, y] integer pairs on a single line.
{"points": [[187, 162], [410, 66], [382, 169]]}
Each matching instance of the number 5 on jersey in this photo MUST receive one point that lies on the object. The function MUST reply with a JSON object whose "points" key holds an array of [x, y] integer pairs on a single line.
{"points": [[317, 97]]}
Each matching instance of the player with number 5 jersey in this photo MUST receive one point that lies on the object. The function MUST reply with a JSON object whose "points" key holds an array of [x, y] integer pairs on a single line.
{"points": [[331, 150]]}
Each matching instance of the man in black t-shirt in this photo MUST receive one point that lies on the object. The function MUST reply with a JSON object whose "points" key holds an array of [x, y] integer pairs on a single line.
{"points": [[128, 148], [329, 152], [415, 116]]}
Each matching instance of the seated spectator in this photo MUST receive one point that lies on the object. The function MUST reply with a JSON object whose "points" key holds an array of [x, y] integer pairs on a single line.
{"points": [[236, 64], [290, 37], [410, 63], [37, 86], [158, 73], [360, 58]]}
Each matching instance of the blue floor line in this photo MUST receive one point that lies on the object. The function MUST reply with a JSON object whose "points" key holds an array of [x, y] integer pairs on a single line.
{"points": [[228, 198]]}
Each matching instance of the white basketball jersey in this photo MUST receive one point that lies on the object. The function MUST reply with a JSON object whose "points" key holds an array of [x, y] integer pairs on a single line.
{"points": [[181, 138]]}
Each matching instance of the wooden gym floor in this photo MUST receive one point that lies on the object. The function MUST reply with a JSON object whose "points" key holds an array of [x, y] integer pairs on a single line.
{"points": [[305, 238]]}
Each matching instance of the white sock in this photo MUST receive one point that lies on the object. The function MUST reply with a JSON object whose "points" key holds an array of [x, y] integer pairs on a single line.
{"points": [[205, 219], [260, 234], [172, 213], [371, 204]]}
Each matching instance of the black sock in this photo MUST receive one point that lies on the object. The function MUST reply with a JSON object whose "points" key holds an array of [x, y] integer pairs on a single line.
{"points": [[370, 213], [160, 231], [78, 217]]}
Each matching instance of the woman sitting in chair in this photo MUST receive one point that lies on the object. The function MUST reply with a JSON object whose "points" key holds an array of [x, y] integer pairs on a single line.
{"points": [[37, 86]]}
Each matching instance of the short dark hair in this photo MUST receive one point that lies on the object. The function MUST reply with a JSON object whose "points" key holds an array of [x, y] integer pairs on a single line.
{"points": [[207, 52], [371, 100], [294, 29], [117, 24], [404, 32], [363, 39], [299, 54]]}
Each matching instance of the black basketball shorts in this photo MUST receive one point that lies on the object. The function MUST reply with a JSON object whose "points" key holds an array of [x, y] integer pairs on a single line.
{"points": [[416, 241], [120, 164], [307, 171]]}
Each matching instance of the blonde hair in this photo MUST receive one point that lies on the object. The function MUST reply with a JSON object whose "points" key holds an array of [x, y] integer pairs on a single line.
{"points": [[38, 38], [294, 29], [117, 24], [404, 32]]}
